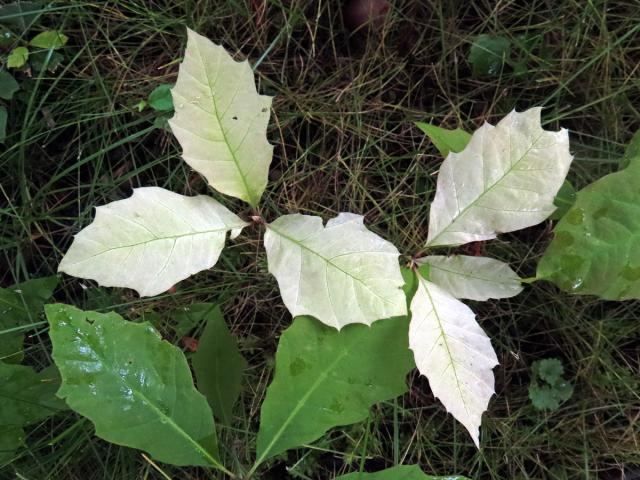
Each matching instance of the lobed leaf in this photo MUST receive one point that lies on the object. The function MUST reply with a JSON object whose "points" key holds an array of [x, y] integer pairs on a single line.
{"points": [[474, 278], [453, 352], [136, 388], [221, 120], [151, 240], [325, 378], [505, 180], [217, 364], [340, 273]]}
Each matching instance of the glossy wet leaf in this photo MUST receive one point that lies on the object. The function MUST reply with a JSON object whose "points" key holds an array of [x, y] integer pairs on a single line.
{"points": [[221, 120], [400, 472], [160, 98], [50, 39], [151, 240], [218, 364], [488, 54], [474, 278], [325, 378], [564, 200], [445, 140], [596, 245], [504, 180], [18, 57], [135, 387], [453, 352], [21, 306], [340, 273], [8, 85]]}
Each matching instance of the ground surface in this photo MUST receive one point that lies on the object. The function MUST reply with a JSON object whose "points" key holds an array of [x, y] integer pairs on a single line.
{"points": [[342, 125]]}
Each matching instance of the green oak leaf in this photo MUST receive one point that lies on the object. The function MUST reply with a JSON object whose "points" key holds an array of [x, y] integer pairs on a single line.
{"points": [[136, 388], [160, 98], [221, 120], [218, 364], [445, 140], [11, 438], [8, 85], [596, 245], [18, 57], [50, 39], [325, 378], [488, 53], [20, 306], [400, 472]]}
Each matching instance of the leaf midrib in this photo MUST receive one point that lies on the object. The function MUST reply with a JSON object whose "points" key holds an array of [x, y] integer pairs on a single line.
{"points": [[155, 239], [443, 334], [329, 262], [250, 196], [484, 192], [321, 378]]}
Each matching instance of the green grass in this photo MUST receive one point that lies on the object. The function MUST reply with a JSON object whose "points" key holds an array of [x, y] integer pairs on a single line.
{"points": [[344, 140]]}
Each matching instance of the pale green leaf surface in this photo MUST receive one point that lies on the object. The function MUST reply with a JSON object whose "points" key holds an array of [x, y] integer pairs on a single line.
{"points": [[445, 140], [400, 472], [151, 240], [218, 364], [504, 180], [18, 57], [325, 378], [49, 39], [474, 278], [453, 352], [340, 273], [596, 245], [21, 305], [221, 120], [136, 388]]}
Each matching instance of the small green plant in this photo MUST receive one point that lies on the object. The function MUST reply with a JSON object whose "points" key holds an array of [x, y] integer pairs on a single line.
{"points": [[361, 321], [339, 273], [548, 388]]}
